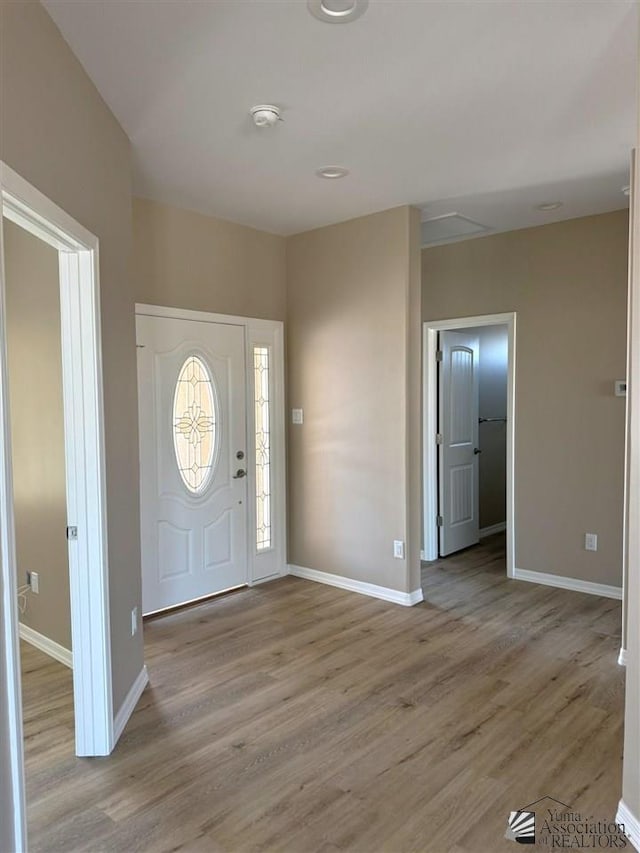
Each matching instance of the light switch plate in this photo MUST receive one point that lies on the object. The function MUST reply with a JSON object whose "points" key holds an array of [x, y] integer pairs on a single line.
{"points": [[590, 541], [398, 549], [297, 416]]}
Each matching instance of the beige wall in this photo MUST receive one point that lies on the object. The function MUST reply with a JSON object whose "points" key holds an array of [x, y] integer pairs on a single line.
{"points": [[351, 291], [37, 426], [56, 131], [567, 282], [186, 260]]}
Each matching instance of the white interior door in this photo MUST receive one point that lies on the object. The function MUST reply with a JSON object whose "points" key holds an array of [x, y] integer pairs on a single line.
{"points": [[458, 384], [192, 421]]}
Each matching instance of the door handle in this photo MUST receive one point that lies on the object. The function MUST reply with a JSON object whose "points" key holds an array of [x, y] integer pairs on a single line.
{"points": [[476, 450], [239, 474]]}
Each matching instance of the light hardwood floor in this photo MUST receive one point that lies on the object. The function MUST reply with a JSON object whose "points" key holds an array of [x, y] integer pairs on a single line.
{"points": [[298, 717]]}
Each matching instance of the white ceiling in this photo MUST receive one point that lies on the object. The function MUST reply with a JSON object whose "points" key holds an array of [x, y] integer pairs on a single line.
{"points": [[484, 108]]}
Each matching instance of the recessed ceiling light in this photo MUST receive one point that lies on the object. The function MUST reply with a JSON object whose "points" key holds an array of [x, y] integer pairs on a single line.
{"points": [[626, 190], [548, 205], [332, 172], [337, 11]]}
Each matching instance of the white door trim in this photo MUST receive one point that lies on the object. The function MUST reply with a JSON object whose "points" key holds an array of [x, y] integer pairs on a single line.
{"points": [[269, 564], [430, 330], [11, 752], [26, 206]]}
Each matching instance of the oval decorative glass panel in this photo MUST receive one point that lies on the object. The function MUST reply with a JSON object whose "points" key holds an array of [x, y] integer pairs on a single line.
{"points": [[194, 424]]}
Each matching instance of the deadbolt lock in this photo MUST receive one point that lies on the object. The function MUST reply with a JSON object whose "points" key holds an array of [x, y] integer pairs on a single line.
{"points": [[240, 454]]}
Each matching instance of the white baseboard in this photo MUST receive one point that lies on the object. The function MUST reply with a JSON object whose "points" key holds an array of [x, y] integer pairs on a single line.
{"points": [[622, 657], [408, 599], [49, 647], [492, 529], [129, 704], [631, 824], [569, 583]]}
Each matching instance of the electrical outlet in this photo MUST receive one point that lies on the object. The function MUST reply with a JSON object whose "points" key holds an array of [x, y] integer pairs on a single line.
{"points": [[297, 416], [134, 621], [398, 549], [590, 541], [34, 582]]}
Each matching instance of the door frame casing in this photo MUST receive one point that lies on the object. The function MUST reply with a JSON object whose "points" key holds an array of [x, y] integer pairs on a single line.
{"points": [[430, 329], [85, 473], [269, 564]]}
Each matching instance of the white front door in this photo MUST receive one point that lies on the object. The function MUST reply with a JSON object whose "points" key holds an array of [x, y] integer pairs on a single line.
{"points": [[458, 442], [192, 421]]}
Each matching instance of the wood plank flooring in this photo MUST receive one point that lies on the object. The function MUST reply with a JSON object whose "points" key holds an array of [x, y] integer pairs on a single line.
{"points": [[297, 717]]}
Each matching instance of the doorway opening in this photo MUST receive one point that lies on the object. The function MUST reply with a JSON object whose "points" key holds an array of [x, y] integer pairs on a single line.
{"points": [[34, 357], [84, 479], [468, 433], [211, 416]]}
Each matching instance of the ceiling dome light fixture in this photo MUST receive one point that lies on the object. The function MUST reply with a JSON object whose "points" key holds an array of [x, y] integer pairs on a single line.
{"points": [[332, 172], [265, 115], [548, 205], [337, 11]]}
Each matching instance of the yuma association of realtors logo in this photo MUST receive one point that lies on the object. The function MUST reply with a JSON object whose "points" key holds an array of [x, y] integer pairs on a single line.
{"points": [[561, 827], [521, 827]]}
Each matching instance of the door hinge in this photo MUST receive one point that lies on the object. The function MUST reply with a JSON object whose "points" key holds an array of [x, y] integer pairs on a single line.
{"points": [[72, 533], [439, 439], [439, 355], [439, 521]]}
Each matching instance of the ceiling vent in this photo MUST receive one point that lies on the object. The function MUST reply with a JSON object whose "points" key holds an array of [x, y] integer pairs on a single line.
{"points": [[450, 226]]}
